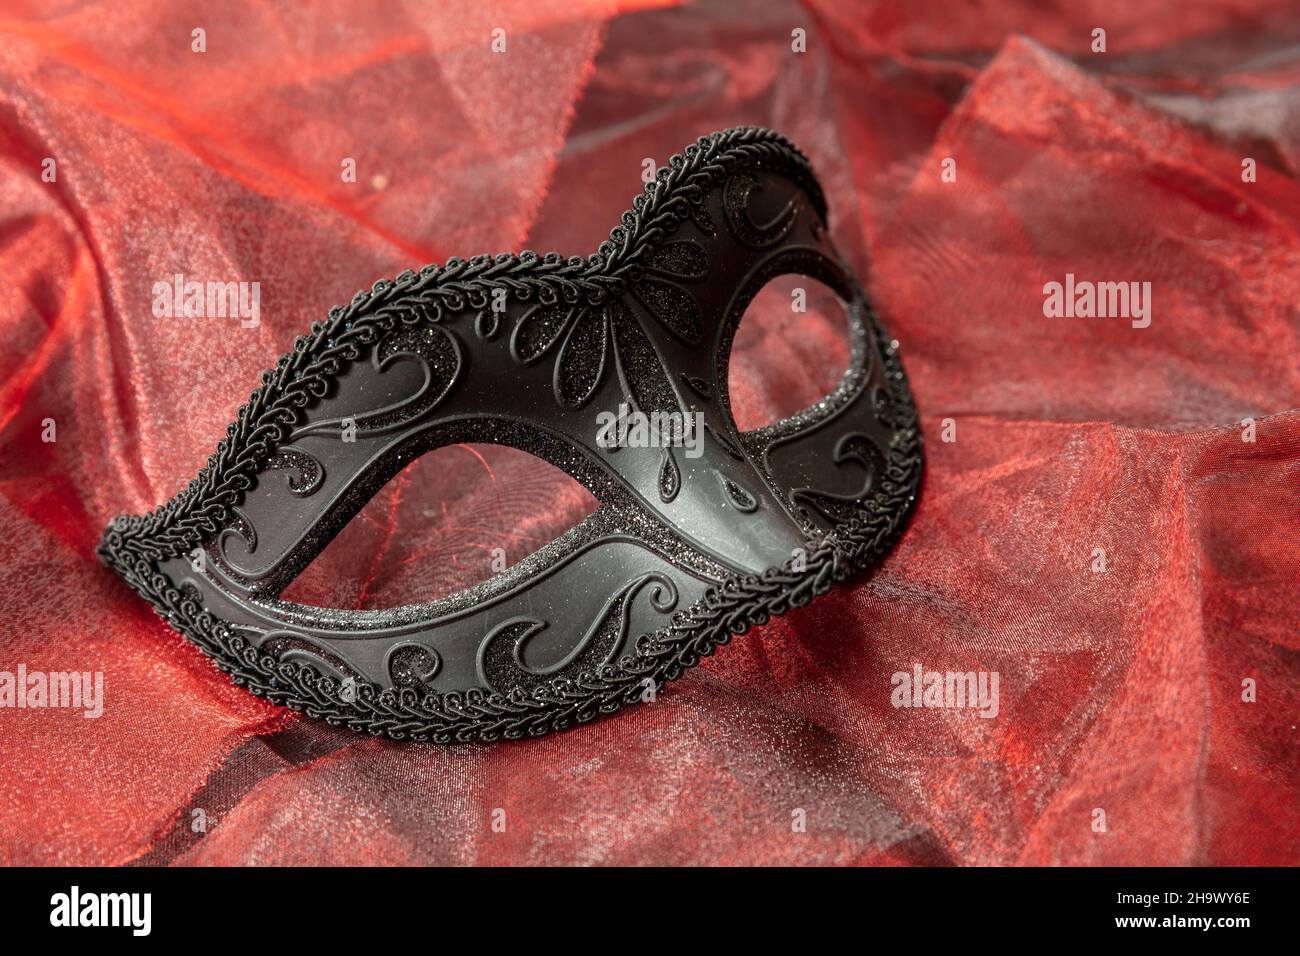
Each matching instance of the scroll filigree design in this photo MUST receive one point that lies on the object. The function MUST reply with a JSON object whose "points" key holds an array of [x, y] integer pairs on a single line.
{"points": [[436, 349], [413, 665], [735, 203], [502, 662], [238, 527], [310, 472], [833, 508]]}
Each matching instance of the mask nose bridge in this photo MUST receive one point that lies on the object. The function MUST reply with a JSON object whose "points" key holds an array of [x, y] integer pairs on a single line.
{"points": [[728, 504], [647, 431]]}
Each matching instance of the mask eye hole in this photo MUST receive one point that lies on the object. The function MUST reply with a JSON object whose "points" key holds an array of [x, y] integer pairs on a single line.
{"points": [[791, 349], [453, 518]]}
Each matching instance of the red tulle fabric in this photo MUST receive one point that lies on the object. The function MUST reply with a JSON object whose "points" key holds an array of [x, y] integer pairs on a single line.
{"points": [[1120, 692]]}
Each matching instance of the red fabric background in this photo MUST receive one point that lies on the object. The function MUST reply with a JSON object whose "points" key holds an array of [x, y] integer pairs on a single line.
{"points": [[1119, 691]]}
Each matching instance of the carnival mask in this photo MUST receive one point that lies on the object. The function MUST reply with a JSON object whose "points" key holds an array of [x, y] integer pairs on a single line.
{"points": [[701, 530]]}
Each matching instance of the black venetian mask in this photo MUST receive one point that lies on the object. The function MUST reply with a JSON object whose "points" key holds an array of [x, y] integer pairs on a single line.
{"points": [[613, 368]]}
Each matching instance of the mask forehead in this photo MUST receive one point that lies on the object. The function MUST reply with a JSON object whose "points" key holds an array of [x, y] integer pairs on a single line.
{"points": [[613, 368]]}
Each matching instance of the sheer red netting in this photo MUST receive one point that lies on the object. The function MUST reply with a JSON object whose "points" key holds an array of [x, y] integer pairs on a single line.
{"points": [[1120, 690]]}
